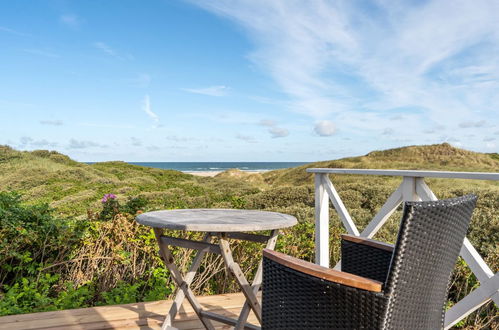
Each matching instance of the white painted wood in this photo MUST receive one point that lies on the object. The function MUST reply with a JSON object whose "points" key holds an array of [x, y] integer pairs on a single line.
{"points": [[321, 222], [381, 217], [384, 213], [475, 261], [217, 220], [423, 191], [409, 189], [472, 301], [409, 173], [477, 265], [340, 207], [257, 282]]}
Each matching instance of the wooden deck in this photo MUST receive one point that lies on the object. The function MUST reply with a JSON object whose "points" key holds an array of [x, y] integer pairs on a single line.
{"points": [[147, 315]]}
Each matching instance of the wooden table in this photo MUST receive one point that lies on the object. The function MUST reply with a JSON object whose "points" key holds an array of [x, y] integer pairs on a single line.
{"points": [[222, 224]]}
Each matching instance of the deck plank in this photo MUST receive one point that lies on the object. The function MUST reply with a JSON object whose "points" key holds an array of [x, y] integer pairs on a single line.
{"points": [[147, 315]]}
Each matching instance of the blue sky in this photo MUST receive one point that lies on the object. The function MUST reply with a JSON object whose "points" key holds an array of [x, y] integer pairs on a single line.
{"points": [[247, 80]]}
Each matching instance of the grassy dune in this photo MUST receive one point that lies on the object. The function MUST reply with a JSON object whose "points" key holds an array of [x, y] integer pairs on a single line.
{"points": [[60, 247]]}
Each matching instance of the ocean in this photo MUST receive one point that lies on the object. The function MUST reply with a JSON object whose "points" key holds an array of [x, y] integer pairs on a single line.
{"points": [[219, 166]]}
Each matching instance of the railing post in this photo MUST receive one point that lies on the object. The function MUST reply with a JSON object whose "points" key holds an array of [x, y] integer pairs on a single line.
{"points": [[409, 189], [321, 222]]}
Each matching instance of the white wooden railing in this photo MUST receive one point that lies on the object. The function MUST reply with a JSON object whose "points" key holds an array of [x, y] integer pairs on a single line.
{"points": [[412, 188]]}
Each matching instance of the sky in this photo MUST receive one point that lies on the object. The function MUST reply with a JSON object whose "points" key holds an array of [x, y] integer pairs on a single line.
{"points": [[247, 80]]}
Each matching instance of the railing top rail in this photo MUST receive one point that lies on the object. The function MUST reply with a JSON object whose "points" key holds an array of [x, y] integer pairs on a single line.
{"points": [[410, 173]]}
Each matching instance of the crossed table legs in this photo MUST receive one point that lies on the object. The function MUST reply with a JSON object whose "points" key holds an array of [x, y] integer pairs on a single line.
{"points": [[223, 248]]}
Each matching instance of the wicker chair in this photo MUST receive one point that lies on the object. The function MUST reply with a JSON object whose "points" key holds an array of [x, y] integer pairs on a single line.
{"points": [[380, 286]]}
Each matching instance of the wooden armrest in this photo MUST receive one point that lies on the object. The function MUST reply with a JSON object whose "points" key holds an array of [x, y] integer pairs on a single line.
{"points": [[323, 272], [368, 241]]}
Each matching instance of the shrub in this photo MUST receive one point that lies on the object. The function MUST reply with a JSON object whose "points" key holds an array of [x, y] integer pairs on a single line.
{"points": [[134, 204], [282, 196], [110, 207], [30, 237]]}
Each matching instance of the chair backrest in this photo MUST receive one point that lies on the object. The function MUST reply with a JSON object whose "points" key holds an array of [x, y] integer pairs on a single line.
{"points": [[428, 244]]}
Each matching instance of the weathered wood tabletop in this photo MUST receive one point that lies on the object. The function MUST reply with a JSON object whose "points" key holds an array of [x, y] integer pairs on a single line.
{"points": [[216, 220]]}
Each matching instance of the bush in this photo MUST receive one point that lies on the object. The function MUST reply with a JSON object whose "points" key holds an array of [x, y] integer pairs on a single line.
{"points": [[134, 205], [282, 196], [31, 237], [111, 206]]}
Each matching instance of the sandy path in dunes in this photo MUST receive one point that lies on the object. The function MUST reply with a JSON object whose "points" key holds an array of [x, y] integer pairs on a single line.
{"points": [[204, 173], [213, 173]]}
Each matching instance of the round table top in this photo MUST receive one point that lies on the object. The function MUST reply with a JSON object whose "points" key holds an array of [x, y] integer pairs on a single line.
{"points": [[216, 220]]}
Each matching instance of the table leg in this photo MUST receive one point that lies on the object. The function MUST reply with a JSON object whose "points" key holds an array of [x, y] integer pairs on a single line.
{"points": [[182, 283], [239, 276], [257, 282]]}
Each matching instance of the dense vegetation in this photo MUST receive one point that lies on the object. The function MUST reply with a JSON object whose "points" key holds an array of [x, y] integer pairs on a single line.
{"points": [[63, 246]]}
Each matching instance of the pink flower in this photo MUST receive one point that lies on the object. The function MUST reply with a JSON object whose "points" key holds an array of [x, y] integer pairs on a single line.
{"points": [[107, 197]]}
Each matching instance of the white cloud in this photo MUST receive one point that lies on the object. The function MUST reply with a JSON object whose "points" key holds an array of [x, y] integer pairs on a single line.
{"points": [[176, 138], [146, 107], [104, 125], [70, 20], [84, 144], [339, 59], [397, 117], [41, 52], [43, 144], [278, 132], [246, 138], [30, 143], [105, 48], [490, 145], [469, 124], [15, 32], [451, 139], [388, 131], [135, 142], [153, 148], [26, 140], [52, 122], [142, 80], [267, 123], [211, 91], [324, 128], [274, 130]]}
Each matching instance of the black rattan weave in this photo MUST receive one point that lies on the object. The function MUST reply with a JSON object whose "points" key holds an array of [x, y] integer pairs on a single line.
{"points": [[364, 260], [293, 300], [428, 244]]}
